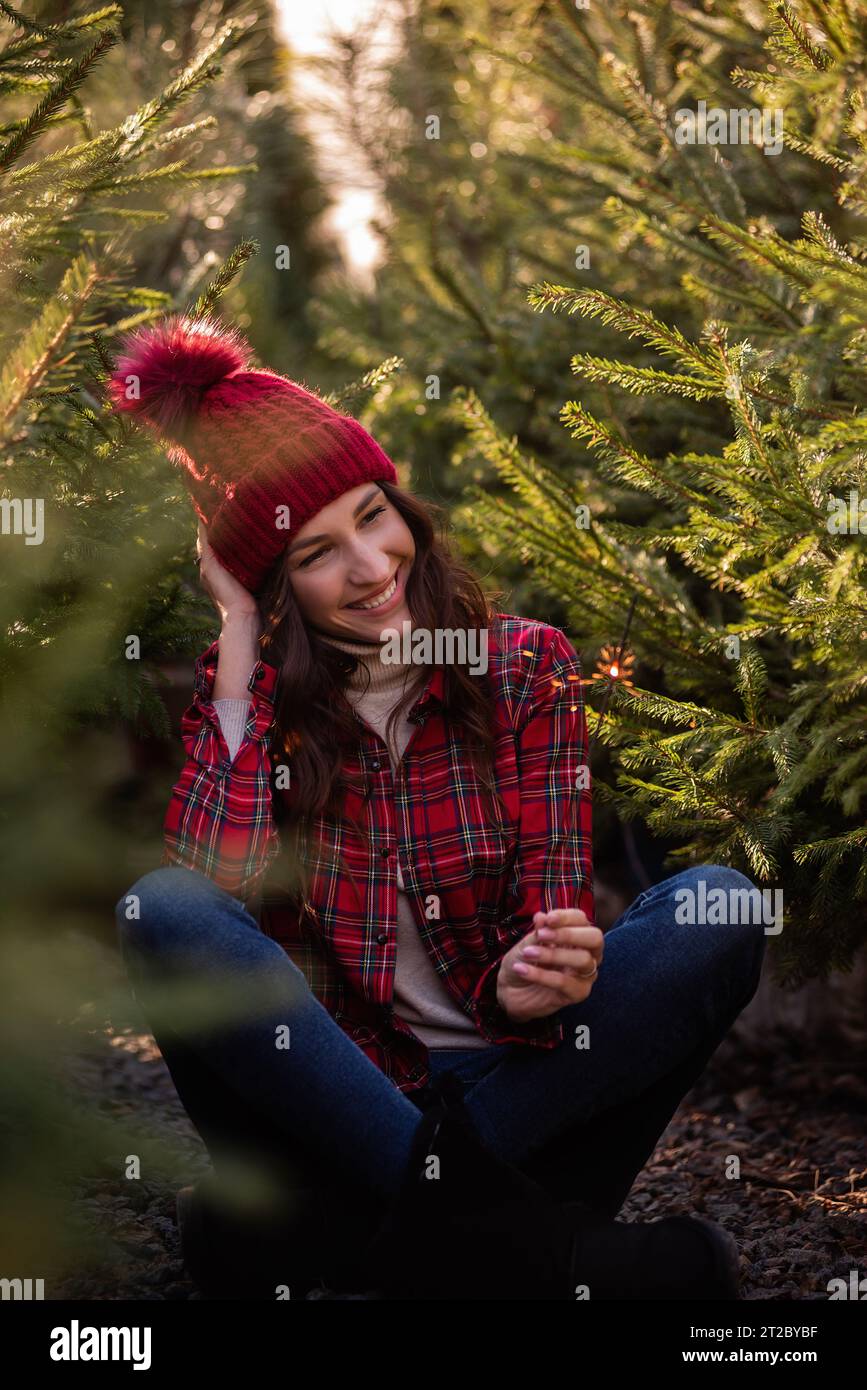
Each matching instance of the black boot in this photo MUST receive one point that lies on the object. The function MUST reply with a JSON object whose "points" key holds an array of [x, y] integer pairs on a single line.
{"points": [[679, 1257], [232, 1253], [467, 1225]]}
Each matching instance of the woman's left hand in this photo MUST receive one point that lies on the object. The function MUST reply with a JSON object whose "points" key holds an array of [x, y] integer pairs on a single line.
{"points": [[553, 965]]}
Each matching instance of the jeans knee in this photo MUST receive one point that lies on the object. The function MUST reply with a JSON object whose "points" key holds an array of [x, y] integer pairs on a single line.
{"points": [[721, 897], [180, 921], [161, 898]]}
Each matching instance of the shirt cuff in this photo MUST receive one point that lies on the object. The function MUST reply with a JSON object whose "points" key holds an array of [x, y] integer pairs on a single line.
{"points": [[496, 1025], [232, 715], [261, 682]]}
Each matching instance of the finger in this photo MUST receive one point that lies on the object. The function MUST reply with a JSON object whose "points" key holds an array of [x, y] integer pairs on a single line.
{"points": [[565, 917], [567, 926], [595, 951], [556, 980], [591, 938], [557, 955]]}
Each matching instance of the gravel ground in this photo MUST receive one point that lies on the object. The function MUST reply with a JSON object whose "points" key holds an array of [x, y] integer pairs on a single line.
{"points": [[798, 1213]]}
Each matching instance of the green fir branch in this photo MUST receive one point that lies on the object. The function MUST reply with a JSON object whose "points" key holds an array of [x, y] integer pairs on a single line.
{"points": [[228, 272], [55, 99]]}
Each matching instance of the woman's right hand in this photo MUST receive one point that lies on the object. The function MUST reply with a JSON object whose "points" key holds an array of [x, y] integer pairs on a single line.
{"points": [[228, 595]]}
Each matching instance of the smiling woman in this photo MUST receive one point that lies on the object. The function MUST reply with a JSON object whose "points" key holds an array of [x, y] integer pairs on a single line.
{"points": [[351, 570], [388, 876], [328, 645]]}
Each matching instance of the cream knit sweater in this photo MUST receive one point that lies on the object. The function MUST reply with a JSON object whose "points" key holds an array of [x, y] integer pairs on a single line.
{"points": [[420, 997]]}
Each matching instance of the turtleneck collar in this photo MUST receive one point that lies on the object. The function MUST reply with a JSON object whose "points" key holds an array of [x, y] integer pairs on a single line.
{"points": [[372, 675]]}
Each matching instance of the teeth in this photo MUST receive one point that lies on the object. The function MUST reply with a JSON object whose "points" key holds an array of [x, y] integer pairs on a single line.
{"points": [[383, 598]]}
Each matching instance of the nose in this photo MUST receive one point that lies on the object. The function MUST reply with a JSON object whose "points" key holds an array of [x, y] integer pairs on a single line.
{"points": [[368, 579]]}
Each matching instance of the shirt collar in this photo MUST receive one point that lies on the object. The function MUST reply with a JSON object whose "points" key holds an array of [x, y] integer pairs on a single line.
{"points": [[431, 696]]}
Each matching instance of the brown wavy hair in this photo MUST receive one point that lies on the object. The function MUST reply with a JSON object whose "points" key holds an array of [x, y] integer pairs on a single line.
{"points": [[314, 723]]}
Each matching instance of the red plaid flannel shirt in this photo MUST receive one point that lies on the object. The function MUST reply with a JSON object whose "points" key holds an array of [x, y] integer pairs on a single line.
{"points": [[473, 886]]}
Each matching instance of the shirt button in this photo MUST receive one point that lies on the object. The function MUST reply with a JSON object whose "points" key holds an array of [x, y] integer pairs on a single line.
{"points": [[376, 765], [260, 674], [385, 851], [382, 938]]}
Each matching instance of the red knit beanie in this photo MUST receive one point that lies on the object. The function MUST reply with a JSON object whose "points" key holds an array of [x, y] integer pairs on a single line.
{"points": [[251, 444]]}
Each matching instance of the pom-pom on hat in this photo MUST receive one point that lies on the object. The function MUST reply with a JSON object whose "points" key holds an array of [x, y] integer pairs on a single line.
{"points": [[250, 443]]}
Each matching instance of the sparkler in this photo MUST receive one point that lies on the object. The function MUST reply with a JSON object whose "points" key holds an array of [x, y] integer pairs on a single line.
{"points": [[616, 668]]}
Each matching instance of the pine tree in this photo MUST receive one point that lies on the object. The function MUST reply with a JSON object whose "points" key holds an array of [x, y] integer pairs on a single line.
{"points": [[497, 141], [258, 123], [109, 593], [97, 556], [745, 742], [708, 299]]}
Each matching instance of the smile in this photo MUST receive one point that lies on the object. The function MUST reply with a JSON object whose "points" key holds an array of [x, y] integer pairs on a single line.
{"points": [[381, 598]]}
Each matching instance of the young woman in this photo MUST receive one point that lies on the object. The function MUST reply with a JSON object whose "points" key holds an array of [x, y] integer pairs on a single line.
{"points": [[369, 955]]}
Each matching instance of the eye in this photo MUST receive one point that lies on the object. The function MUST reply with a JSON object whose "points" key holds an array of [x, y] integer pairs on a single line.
{"points": [[375, 511], [310, 558]]}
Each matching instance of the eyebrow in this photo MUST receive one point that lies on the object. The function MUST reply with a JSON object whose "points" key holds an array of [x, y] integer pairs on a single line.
{"points": [[314, 540]]}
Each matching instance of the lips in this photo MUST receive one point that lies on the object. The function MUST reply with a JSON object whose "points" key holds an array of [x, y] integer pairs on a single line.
{"points": [[379, 593]]}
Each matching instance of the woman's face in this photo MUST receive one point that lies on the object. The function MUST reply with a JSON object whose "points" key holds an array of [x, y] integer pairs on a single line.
{"points": [[350, 551]]}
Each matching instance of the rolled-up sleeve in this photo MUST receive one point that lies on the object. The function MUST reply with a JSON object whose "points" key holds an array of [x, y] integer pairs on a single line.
{"points": [[220, 818]]}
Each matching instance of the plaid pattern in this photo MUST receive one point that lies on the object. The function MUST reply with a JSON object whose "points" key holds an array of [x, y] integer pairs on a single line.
{"points": [[474, 885]]}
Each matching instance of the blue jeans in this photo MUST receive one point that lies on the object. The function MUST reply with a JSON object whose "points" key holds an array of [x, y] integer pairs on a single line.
{"points": [[261, 1066]]}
